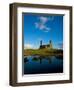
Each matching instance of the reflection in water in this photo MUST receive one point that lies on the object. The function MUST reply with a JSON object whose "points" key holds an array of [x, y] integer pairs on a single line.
{"points": [[26, 60], [41, 58], [37, 58], [59, 57], [43, 64], [49, 60]]}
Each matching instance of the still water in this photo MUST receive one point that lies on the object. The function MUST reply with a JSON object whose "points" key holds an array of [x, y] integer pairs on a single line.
{"points": [[42, 65]]}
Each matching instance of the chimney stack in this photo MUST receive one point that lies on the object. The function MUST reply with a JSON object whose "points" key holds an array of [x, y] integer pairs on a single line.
{"points": [[41, 43]]}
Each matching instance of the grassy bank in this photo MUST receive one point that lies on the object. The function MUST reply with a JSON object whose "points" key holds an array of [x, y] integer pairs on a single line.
{"points": [[43, 52]]}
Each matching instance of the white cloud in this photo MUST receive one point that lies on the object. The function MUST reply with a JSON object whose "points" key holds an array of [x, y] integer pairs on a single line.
{"points": [[28, 46], [42, 27], [41, 24], [43, 20]]}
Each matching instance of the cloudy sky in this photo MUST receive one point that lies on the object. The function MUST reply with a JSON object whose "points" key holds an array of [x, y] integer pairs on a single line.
{"points": [[42, 27]]}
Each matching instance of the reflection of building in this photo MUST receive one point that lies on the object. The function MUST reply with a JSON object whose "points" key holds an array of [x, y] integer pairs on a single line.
{"points": [[48, 46]]}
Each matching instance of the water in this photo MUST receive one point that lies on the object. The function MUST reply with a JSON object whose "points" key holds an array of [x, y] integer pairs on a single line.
{"points": [[42, 65]]}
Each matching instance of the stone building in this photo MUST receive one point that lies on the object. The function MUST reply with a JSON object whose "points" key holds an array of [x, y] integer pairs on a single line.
{"points": [[48, 46]]}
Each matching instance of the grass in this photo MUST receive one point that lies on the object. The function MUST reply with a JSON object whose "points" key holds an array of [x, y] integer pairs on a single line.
{"points": [[43, 52]]}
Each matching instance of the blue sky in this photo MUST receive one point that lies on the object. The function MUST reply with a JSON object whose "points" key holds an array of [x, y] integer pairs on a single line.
{"points": [[42, 27]]}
